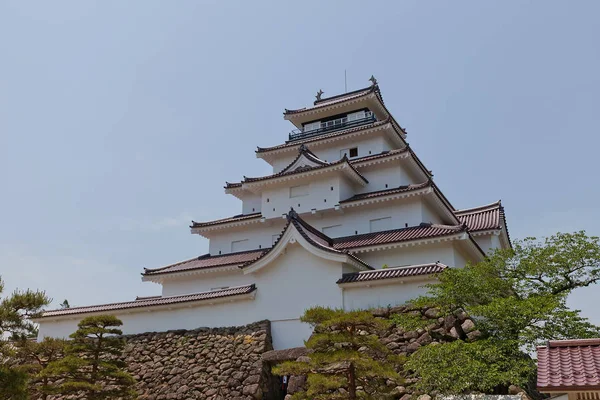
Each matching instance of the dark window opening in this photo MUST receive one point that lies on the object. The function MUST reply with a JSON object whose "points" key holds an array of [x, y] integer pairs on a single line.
{"points": [[353, 152]]}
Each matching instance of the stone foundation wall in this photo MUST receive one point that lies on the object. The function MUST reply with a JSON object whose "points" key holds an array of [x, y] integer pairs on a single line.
{"points": [[206, 363]]}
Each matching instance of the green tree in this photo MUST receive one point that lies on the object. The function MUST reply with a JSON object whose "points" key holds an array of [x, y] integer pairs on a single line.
{"points": [[65, 304], [36, 357], [93, 364], [15, 311], [344, 356], [518, 299]]}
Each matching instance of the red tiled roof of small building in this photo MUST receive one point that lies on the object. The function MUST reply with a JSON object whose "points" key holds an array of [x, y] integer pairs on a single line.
{"points": [[423, 231], [569, 365], [391, 273], [153, 301], [207, 261]]}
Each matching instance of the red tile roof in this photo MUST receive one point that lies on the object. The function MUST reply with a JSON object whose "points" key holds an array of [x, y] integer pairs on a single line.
{"points": [[207, 261], [299, 170], [565, 365], [324, 136], [482, 218], [336, 99], [391, 273], [153, 301], [387, 192], [423, 231], [235, 218]]}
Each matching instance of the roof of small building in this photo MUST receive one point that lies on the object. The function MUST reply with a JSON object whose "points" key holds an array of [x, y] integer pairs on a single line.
{"points": [[569, 365], [153, 301], [392, 273]]}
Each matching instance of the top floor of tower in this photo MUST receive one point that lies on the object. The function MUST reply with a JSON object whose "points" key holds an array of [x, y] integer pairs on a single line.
{"points": [[325, 126]]}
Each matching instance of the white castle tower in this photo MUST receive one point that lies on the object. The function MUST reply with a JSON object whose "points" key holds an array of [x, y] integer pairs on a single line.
{"points": [[350, 218]]}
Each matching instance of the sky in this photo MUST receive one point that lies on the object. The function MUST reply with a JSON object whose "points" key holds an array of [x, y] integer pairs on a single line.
{"points": [[121, 121]]}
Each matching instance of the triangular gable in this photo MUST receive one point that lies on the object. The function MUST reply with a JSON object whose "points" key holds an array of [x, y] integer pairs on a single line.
{"points": [[313, 241], [305, 159]]}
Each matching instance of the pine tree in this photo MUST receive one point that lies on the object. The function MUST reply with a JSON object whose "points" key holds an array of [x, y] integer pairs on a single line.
{"points": [[344, 356], [93, 364], [65, 304], [36, 357], [14, 326]]}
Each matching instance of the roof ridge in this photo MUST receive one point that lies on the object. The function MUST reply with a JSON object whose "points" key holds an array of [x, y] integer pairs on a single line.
{"points": [[365, 89], [436, 263], [479, 208], [196, 224], [70, 310], [458, 227], [202, 257], [393, 190], [323, 136]]}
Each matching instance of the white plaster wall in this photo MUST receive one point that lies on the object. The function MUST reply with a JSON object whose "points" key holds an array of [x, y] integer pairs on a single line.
{"points": [[352, 220], [392, 174], [251, 204], [429, 215], [356, 220], [460, 259], [205, 282], [286, 288], [259, 235], [485, 242], [356, 298], [289, 333], [320, 196], [443, 252]]}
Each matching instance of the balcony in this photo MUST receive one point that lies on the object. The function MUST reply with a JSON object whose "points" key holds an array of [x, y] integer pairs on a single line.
{"points": [[331, 126]]}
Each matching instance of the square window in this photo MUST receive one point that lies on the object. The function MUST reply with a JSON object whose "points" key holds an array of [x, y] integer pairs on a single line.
{"points": [[353, 152]]}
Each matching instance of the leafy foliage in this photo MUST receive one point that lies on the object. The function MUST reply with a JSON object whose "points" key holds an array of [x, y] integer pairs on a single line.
{"points": [[37, 356], [15, 325], [92, 363], [344, 357], [518, 299]]}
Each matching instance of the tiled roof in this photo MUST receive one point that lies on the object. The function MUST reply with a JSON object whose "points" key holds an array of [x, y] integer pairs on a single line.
{"points": [[235, 218], [423, 231], [482, 218], [304, 151], [391, 273], [312, 235], [207, 261], [153, 301], [324, 136], [565, 365], [386, 192], [335, 99], [299, 170]]}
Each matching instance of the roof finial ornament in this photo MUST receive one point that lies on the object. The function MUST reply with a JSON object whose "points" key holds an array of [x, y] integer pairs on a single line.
{"points": [[319, 94], [373, 80]]}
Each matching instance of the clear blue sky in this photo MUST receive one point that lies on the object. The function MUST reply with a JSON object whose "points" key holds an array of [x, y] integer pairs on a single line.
{"points": [[121, 121]]}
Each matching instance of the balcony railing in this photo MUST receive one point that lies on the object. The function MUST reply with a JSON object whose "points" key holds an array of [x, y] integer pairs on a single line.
{"points": [[333, 125]]}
